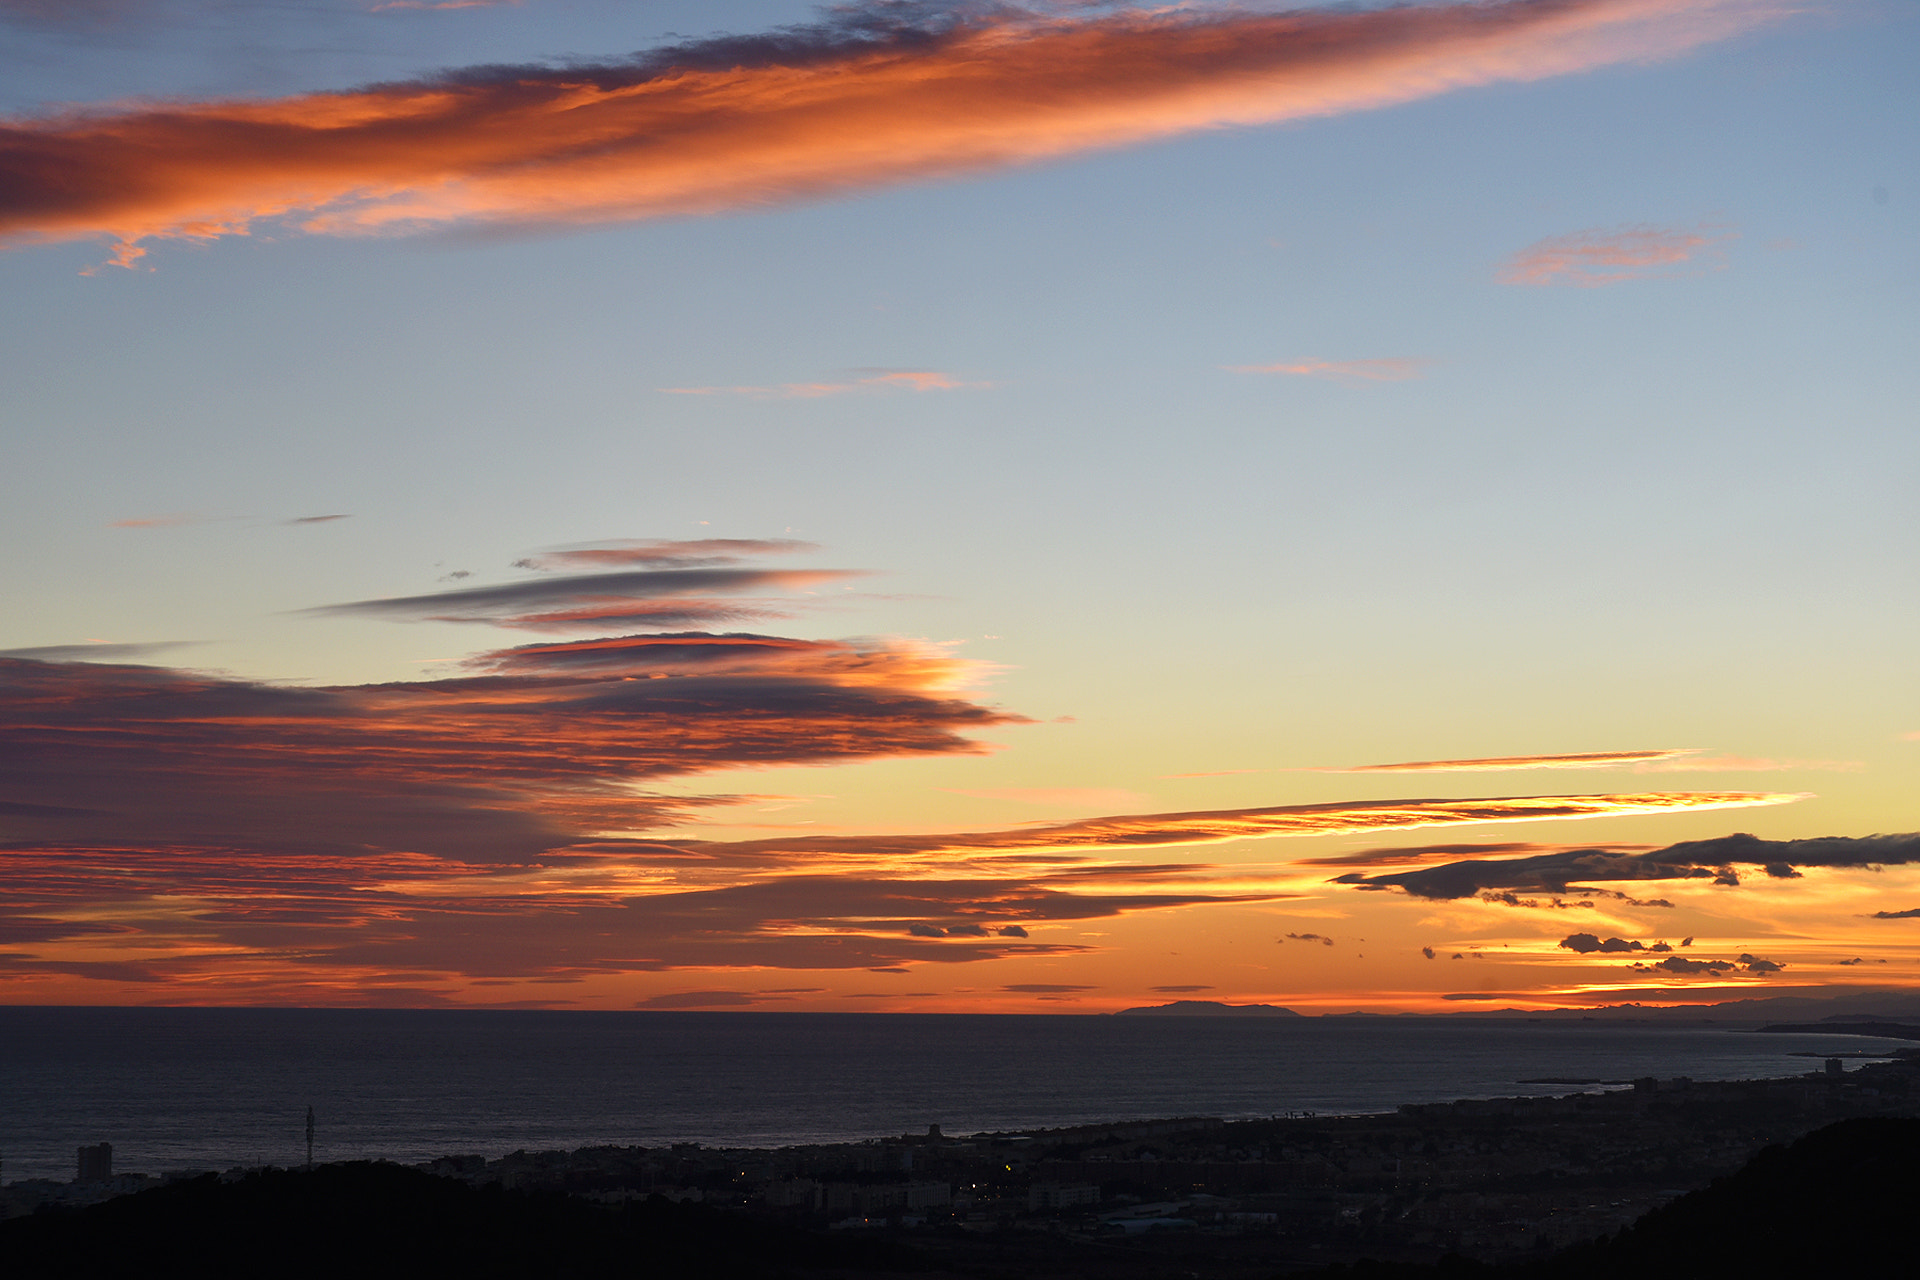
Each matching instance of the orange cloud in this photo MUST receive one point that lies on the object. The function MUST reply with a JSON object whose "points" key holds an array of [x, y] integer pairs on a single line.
{"points": [[1392, 369], [896, 380], [1599, 256], [868, 98], [1215, 826]]}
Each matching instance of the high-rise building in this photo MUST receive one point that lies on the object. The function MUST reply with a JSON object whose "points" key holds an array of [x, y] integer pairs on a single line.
{"points": [[96, 1163]]}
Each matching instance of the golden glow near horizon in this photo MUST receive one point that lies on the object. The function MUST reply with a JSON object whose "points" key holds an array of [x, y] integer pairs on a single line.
{"points": [[1046, 508]]}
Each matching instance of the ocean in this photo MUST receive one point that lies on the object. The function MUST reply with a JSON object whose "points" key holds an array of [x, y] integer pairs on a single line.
{"points": [[176, 1089]]}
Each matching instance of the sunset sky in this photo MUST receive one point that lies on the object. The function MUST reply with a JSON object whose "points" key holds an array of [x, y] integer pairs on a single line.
{"points": [[958, 507]]}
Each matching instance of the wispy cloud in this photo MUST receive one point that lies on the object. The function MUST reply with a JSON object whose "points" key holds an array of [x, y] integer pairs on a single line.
{"points": [[388, 5], [1390, 369], [722, 999], [892, 380], [1501, 764], [1216, 826], [871, 96], [75, 14], [662, 553], [1061, 797], [318, 519], [1603, 256], [96, 651], [682, 584], [159, 522], [1695, 763]]}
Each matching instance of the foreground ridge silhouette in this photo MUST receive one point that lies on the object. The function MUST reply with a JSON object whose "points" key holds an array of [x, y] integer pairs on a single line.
{"points": [[376, 1219], [1838, 1201]]}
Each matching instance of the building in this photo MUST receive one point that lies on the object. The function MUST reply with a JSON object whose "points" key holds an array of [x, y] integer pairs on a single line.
{"points": [[1061, 1195], [96, 1163]]}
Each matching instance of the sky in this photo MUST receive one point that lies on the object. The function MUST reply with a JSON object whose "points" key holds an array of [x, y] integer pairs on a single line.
{"points": [[1044, 507]]}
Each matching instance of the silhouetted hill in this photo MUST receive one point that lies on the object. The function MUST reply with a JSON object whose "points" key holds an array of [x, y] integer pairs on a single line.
{"points": [[367, 1219], [1836, 1202], [1211, 1008], [1849, 1027]]}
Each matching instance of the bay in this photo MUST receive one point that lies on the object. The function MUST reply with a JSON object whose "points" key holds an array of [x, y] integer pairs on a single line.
{"points": [[177, 1088]]}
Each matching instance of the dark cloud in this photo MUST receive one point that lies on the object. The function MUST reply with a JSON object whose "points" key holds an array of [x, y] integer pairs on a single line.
{"points": [[95, 652], [1046, 988], [16, 929], [701, 1000], [1676, 964], [1744, 963], [1322, 939], [1587, 943], [1420, 853], [1181, 989], [1911, 913], [1428, 952], [630, 597], [1562, 871], [319, 519], [480, 769], [1510, 899]]}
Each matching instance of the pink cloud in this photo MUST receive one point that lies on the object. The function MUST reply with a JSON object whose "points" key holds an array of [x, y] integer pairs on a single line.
{"points": [[896, 380], [1390, 369], [159, 522], [1608, 256], [438, 4]]}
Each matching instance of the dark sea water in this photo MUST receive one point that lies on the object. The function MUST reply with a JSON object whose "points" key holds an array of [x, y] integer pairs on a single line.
{"points": [[214, 1088]]}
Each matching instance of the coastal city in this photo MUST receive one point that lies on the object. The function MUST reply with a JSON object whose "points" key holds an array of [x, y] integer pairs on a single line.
{"points": [[1494, 1179]]}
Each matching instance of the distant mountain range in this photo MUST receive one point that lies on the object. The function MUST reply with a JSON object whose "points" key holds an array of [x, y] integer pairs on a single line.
{"points": [[1831, 1005], [1211, 1009]]}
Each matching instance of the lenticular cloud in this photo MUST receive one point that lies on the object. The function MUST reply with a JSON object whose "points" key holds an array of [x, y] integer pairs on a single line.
{"points": [[871, 97]]}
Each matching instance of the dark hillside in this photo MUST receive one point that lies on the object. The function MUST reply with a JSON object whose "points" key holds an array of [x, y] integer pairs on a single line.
{"points": [[1839, 1201], [367, 1219]]}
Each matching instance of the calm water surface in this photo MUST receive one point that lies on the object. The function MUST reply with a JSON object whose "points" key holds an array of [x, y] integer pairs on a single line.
{"points": [[213, 1088]]}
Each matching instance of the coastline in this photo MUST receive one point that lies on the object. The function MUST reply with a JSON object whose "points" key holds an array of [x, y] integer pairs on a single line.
{"points": [[1499, 1177]]}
